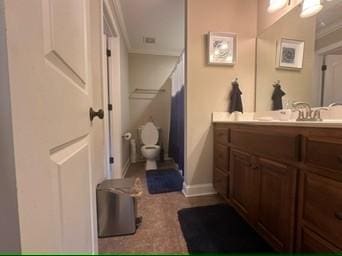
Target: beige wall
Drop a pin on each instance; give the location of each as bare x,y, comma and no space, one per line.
297,84
9,219
151,72
208,87
266,19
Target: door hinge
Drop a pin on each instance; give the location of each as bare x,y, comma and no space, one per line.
109,53
110,107
324,67
111,160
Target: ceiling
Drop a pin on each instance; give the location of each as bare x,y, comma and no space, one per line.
163,20
330,18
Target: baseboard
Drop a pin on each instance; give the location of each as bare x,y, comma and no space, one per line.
198,190
125,169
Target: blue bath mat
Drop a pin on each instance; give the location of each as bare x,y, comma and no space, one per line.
164,181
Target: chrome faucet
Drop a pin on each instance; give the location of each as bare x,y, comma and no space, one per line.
303,115
317,114
306,113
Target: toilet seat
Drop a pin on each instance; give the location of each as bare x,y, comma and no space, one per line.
149,134
147,147
150,150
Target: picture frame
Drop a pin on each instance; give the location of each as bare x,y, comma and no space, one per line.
222,48
290,54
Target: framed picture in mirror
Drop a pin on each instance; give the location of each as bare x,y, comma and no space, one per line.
222,48
290,54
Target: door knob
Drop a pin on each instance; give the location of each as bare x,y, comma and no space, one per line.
93,114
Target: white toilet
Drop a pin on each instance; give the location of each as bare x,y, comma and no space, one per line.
150,150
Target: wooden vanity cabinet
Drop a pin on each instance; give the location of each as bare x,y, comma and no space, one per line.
320,213
285,181
221,161
263,190
243,184
276,203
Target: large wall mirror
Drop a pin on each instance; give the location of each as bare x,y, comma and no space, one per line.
300,59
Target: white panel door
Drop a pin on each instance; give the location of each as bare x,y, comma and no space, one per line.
49,55
333,80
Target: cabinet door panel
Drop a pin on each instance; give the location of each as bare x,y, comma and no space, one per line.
276,209
322,206
243,192
221,136
312,243
221,157
221,181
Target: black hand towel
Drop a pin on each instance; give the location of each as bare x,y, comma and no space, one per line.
277,95
235,98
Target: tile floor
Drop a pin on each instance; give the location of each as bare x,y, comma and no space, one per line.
160,231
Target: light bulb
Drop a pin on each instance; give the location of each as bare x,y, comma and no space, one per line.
276,5
310,8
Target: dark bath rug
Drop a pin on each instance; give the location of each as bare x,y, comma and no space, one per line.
219,229
164,181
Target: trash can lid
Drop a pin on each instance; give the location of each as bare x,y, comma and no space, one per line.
116,183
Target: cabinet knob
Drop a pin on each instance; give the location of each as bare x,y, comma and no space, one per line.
338,215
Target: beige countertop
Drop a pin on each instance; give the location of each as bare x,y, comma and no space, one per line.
252,119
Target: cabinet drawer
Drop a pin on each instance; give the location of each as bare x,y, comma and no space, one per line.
221,136
276,145
322,206
312,243
221,183
324,153
221,157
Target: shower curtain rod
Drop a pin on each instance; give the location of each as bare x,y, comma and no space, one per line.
148,91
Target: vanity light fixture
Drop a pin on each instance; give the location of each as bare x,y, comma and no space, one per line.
310,8
276,5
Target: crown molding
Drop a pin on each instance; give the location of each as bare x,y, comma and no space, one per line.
155,52
117,10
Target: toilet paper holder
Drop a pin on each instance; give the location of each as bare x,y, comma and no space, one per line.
127,136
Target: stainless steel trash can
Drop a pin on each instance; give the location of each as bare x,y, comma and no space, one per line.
116,208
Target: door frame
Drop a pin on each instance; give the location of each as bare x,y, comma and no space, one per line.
321,55
113,81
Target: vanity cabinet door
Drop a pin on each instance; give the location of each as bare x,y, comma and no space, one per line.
243,185
313,243
320,207
276,204
221,183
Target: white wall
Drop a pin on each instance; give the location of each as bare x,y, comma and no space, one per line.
151,72
9,220
125,107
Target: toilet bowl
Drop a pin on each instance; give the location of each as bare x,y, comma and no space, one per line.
150,150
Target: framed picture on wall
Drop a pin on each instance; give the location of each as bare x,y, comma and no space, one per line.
222,48
290,54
